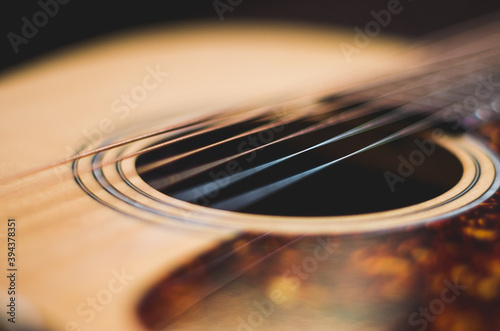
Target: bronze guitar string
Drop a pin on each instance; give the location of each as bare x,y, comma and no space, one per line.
97,164
208,119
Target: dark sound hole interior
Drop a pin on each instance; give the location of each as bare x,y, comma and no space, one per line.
270,181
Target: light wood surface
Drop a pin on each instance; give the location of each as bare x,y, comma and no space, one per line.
67,244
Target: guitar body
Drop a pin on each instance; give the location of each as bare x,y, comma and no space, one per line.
87,260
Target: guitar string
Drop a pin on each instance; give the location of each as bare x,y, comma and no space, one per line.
106,184
186,174
171,141
174,178
196,192
193,123
104,148
430,69
251,197
100,177
201,123
163,162
281,119
166,161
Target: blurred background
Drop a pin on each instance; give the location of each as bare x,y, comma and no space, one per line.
71,21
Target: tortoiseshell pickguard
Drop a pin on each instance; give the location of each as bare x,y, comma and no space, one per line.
443,275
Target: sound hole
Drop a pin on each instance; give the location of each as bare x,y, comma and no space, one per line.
267,181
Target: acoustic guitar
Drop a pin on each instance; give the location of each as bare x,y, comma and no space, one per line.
254,177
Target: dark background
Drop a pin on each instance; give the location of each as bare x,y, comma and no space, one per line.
84,19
